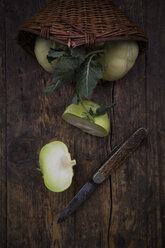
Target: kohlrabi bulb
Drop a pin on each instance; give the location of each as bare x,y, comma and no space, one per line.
56,166
119,58
41,49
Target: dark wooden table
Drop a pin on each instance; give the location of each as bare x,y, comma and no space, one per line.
128,209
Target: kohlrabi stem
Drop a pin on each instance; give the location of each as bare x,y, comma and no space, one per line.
90,117
94,52
73,162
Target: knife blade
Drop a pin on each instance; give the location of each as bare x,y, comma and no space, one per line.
83,194
115,158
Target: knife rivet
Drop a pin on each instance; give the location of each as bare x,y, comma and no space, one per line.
98,177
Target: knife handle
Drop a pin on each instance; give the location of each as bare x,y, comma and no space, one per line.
123,152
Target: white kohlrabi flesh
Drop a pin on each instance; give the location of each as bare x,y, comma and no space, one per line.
56,166
119,58
74,114
41,49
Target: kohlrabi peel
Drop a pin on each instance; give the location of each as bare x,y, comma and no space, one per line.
119,58
41,49
56,166
76,116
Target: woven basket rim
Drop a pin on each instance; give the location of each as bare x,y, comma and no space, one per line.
73,34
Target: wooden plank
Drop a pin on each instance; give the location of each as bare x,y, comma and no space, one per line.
32,121
129,183
32,210
3,196
134,216
155,100
92,219
138,189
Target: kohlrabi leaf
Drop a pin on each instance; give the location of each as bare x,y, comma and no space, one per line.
61,47
68,63
78,52
65,69
91,112
52,88
64,73
88,76
54,54
103,109
75,99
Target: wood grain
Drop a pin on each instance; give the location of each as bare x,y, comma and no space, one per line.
3,111
128,209
32,121
155,101
137,189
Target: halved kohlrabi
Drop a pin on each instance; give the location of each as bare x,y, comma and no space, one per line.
56,166
76,116
41,49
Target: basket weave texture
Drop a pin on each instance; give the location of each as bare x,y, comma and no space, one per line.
79,22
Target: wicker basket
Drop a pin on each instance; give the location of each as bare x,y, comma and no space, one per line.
78,22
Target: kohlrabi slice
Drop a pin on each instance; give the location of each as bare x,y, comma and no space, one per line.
76,116
56,166
119,58
41,49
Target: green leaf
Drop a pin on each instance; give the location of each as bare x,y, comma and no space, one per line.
53,54
103,109
75,99
78,52
65,69
61,47
52,88
49,90
91,112
68,63
88,76
63,73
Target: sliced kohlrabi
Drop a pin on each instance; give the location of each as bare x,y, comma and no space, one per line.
56,166
76,116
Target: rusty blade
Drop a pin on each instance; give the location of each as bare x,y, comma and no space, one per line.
83,194
77,201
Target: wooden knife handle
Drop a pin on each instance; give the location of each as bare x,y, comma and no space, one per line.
124,151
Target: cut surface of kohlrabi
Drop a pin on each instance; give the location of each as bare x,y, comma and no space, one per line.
56,166
75,115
